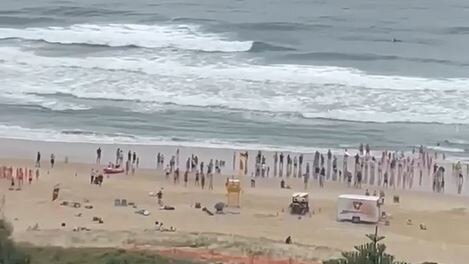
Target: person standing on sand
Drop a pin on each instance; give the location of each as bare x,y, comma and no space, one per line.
380,171
20,177
306,176
177,158
186,176
328,168
295,166
38,160
300,165
210,181
192,163
404,174
372,170
172,163
280,167
92,176
334,168
263,166
37,175
167,171
411,171
322,176
399,172
176,176
460,182
365,163
127,167
129,156
441,179
197,178
234,162
308,170
52,160
117,155
158,160
275,164
316,165
359,177
345,162
392,169
30,178
258,164
159,196
98,157
132,168
202,180
323,161
419,165
435,177
385,180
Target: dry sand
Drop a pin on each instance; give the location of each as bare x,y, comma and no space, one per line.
260,225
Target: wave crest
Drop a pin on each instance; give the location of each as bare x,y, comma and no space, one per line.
186,37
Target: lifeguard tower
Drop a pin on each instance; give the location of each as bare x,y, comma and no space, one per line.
233,186
233,192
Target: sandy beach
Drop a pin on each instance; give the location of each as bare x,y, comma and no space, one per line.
261,224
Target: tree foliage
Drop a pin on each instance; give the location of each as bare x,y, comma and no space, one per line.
371,252
9,253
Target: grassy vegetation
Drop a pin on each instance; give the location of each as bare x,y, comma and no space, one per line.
51,255
10,253
372,252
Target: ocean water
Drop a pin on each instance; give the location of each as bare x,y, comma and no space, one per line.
298,75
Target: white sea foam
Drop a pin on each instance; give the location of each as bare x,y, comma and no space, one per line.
189,37
446,149
310,91
281,73
32,99
80,136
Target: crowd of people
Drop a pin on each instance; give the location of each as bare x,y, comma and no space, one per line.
387,169
201,173
18,176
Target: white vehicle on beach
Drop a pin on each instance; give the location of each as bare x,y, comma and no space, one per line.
358,208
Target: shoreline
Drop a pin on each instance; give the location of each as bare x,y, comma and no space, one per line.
86,153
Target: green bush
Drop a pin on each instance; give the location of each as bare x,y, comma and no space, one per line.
9,253
56,255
